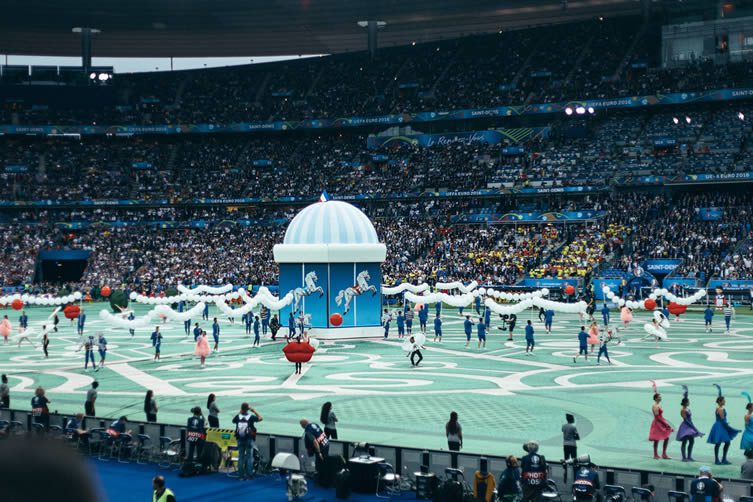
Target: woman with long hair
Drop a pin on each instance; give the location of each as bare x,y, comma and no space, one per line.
660,428
150,407
329,420
454,433
687,432
721,431
746,443
214,411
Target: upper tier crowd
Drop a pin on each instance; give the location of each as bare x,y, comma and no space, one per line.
425,241
600,58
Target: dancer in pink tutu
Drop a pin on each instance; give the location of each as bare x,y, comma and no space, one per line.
5,328
202,347
626,315
660,428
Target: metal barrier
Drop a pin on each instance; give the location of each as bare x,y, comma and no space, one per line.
409,460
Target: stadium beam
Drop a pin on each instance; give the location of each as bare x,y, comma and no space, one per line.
372,28
86,46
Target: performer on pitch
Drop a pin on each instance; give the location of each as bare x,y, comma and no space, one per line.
89,353
5,328
593,336
687,431
102,346
468,328
604,338
530,342
400,321
746,443
216,334
257,341
708,316
437,328
548,317
415,351
202,348
626,315
605,314
721,431
582,344
660,428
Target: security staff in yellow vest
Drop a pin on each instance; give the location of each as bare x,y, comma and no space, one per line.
161,494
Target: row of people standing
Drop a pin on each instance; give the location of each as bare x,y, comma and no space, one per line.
721,434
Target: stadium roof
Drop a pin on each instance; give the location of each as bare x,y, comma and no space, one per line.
204,28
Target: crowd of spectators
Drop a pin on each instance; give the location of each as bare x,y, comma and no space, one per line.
425,240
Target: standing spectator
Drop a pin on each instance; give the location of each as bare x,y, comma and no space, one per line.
39,408
245,434
533,472
161,492
196,433
214,411
150,407
316,442
569,437
746,470
509,481
705,487
454,433
329,419
91,399
4,392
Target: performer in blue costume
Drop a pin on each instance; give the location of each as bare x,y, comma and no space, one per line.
747,441
721,431
687,431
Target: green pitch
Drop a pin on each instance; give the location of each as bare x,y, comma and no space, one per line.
502,396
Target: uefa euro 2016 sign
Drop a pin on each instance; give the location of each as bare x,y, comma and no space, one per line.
331,260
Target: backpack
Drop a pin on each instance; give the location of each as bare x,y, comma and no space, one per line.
244,428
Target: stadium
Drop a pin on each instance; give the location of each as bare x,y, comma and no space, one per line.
324,250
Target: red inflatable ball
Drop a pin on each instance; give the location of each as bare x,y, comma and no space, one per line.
105,291
71,311
335,319
649,304
17,304
298,352
676,308
570,290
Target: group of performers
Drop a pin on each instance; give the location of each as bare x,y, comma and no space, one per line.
721,434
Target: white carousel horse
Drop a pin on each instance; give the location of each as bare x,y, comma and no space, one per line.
362,286
310,288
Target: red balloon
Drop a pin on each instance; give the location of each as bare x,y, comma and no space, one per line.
335,319
649,304
17,304
105,291
570,290
296,352
71,311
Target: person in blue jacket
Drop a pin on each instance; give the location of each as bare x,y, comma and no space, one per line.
481,332
216,334
205,313
257,341
400,321
23,321
582,344
605,314
196,332
131,317
81,322
487,317
477,305
708,316
530,343
248,320
437,328
468,328
423,317
548,318
291,325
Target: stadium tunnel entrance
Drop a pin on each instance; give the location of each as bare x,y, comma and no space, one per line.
61,265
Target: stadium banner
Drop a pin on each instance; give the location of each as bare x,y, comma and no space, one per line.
547,282
679,281
727,284
661,266
490,137
142,165
713,178
709,213
599,283
16,168
654,100
261,163
528,217
546,190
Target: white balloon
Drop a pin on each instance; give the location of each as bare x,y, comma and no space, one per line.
24,298
545,291
133,295
652,296
77,295
482,291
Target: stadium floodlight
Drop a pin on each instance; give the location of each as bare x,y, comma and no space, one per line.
103,77
741,115
688,120
380,24
675,120
93,76
591,110
580,110
568,111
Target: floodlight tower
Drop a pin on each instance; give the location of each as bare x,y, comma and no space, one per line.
86,46
373,27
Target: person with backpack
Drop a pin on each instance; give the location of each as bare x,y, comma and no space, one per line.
245,435
196,433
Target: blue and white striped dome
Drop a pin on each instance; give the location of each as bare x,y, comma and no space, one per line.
331,222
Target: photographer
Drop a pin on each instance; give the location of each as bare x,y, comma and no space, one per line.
586,484
533,472
196,433
705,488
